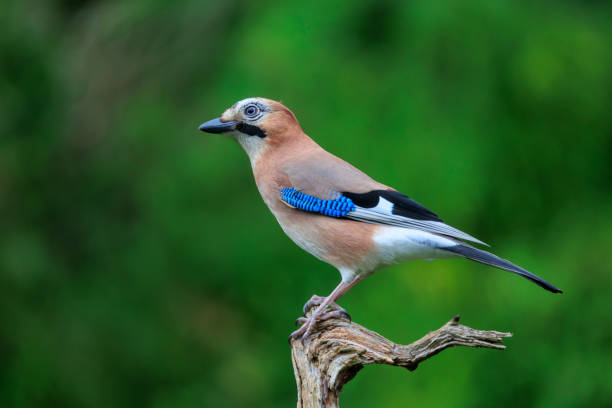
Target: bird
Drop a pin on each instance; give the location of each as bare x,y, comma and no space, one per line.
335,211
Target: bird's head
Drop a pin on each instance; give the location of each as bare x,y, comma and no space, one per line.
257,124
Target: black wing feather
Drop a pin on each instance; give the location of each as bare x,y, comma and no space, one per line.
402,205
399,210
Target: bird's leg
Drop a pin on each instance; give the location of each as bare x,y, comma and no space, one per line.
318,314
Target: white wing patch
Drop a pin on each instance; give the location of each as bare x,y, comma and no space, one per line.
384,206
383,214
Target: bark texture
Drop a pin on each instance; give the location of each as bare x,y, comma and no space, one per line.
337,349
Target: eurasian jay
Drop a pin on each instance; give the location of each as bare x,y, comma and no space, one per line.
335,211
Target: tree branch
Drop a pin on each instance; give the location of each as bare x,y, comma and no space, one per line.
337,349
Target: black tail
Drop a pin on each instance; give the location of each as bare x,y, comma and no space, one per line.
493,260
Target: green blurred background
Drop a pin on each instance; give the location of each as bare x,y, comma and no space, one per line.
139,266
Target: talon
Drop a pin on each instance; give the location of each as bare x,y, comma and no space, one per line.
315,300
336,314
308,330
304,331
342,313
308,323
297,333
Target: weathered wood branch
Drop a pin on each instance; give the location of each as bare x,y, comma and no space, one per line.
337,349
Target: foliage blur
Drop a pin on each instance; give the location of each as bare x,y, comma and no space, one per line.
139,266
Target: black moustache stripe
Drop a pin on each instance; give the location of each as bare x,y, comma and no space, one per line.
250,130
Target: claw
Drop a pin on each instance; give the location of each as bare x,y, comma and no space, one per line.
309,326
336,314
327,308
308,323
298,333
315,300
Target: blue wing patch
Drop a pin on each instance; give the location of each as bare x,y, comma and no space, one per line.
339,207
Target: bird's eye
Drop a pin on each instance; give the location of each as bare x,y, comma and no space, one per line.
251,110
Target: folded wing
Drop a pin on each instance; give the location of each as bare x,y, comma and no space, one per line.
390,207
320,179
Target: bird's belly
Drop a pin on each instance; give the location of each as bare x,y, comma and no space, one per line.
343,243
307,239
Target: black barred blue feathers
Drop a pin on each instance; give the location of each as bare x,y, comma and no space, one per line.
339,207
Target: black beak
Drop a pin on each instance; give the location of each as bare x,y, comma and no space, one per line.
216,126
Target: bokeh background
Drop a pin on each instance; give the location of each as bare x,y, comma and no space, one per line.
139,266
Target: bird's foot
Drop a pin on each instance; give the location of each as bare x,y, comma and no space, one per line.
317,300
332,311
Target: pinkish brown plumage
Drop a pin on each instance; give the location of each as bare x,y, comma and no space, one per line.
382,226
